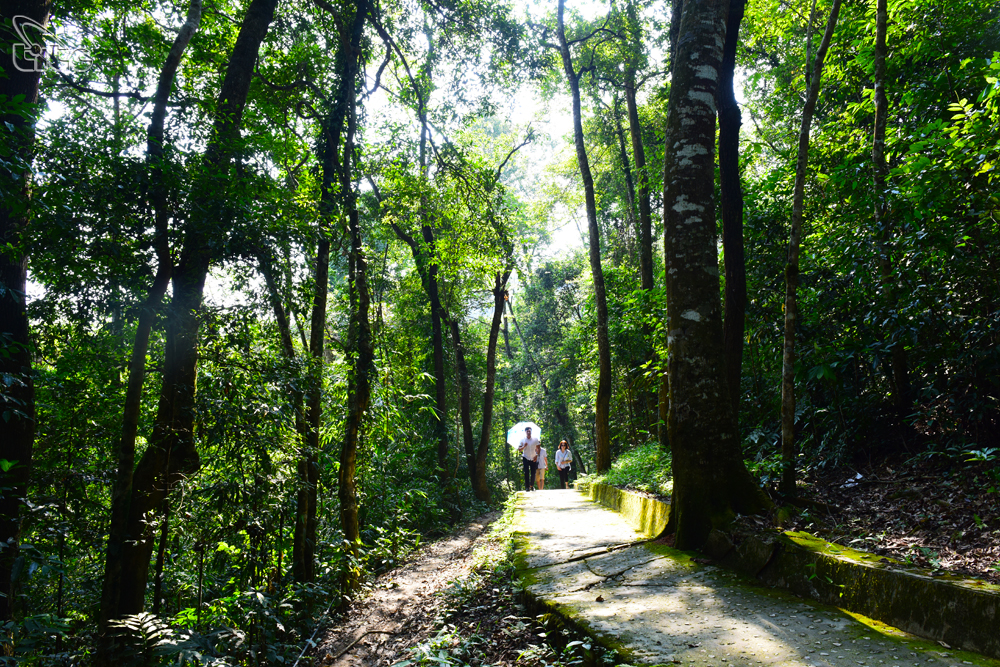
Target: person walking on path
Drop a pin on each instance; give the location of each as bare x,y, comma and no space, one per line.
529,457
543,465
564,459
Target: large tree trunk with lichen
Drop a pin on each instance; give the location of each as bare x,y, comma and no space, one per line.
789,448
172,454
711,483
602,402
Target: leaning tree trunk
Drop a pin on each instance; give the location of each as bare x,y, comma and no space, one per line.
122,491
172,453
602,406
789,448
711,483
901,392
17,393
732,209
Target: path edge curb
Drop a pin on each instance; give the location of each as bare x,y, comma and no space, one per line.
962,613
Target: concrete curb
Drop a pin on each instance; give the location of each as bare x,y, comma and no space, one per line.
647,515
963,613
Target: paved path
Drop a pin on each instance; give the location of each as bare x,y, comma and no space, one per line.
658,606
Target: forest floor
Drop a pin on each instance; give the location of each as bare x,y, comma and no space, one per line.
927,513
454,602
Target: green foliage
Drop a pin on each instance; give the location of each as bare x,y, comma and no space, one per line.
646,468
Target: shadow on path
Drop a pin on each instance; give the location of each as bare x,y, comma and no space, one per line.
655,605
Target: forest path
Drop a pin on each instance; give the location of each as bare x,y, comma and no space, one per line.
658,606
403,609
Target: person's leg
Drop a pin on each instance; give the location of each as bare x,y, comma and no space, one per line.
563,478
539,477
528,472
534,469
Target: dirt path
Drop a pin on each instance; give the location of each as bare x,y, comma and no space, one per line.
401,611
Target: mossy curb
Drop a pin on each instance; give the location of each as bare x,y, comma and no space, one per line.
963,613
647,515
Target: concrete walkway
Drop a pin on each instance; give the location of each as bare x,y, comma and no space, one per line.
655,605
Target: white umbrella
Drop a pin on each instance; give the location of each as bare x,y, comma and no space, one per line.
516,432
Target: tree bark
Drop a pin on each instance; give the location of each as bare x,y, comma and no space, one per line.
711,483
464,397
901,391
602,404
642,184
789,448
732,209
172,454
359,333
479,484
17,388
122,490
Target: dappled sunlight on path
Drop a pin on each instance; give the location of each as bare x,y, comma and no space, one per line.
658,606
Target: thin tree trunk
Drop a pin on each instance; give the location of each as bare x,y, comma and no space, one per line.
266,263
789,448
630,193
161,557
711,483
17,400
359,334
901,392
642,184
172,454
479,483
649,395
122,490
464,398
602,404
732,209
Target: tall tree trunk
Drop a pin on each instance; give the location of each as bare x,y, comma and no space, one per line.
17,389
464,397
359,333
172,454
122,490
630,194
307,469
479,484
732,208
642,184
602,406
711,483
901,392
789,448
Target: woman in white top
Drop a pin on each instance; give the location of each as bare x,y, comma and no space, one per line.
543,463
564,459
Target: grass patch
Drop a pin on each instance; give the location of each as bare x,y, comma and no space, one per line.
645,468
